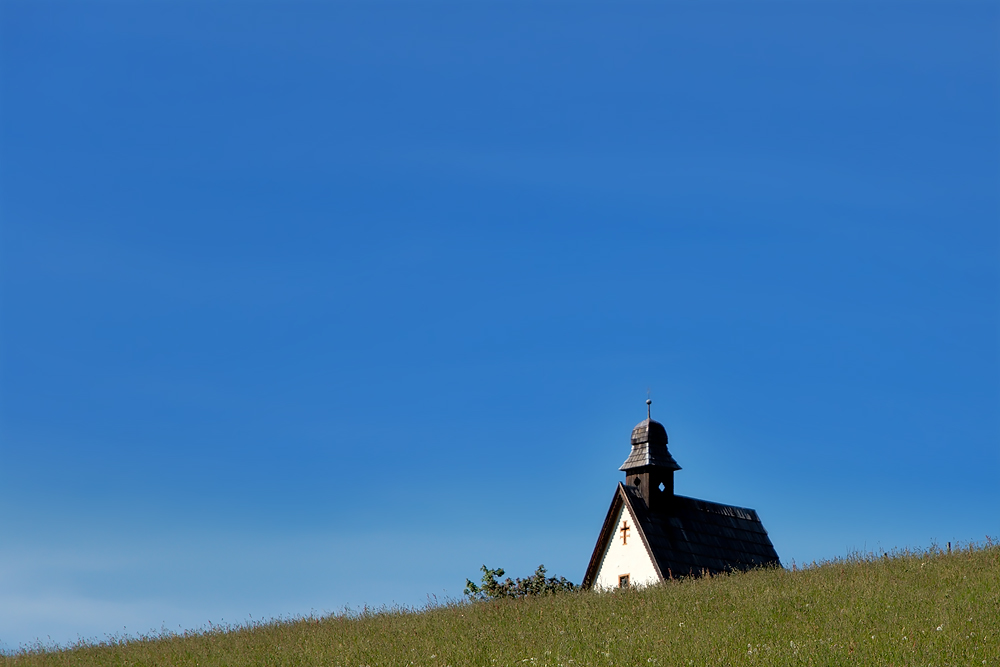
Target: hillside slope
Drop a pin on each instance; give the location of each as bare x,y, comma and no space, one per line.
908,609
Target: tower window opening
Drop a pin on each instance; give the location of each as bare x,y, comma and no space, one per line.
663,487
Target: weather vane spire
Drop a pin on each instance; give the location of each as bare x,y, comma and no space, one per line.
648,403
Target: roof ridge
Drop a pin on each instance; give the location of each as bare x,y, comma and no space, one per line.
711,506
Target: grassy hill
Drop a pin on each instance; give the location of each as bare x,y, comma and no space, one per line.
927,608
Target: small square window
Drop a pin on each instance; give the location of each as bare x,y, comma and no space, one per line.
623,580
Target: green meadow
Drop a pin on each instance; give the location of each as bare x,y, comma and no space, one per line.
910,608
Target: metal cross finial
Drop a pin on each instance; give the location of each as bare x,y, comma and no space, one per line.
648,403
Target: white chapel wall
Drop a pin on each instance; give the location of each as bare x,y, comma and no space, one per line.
628,558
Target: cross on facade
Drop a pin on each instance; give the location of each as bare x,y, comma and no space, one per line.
624,531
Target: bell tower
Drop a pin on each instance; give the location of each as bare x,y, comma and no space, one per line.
649,469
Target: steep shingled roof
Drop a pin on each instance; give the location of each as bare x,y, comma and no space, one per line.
690,536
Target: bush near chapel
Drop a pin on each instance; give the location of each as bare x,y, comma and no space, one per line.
534,585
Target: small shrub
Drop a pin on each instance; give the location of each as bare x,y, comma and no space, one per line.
535,585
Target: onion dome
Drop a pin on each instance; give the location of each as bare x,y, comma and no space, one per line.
649,447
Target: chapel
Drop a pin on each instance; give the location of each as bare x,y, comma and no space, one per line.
651,534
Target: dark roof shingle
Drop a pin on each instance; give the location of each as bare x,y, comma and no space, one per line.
692,535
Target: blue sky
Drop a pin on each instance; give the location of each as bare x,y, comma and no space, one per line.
309,305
